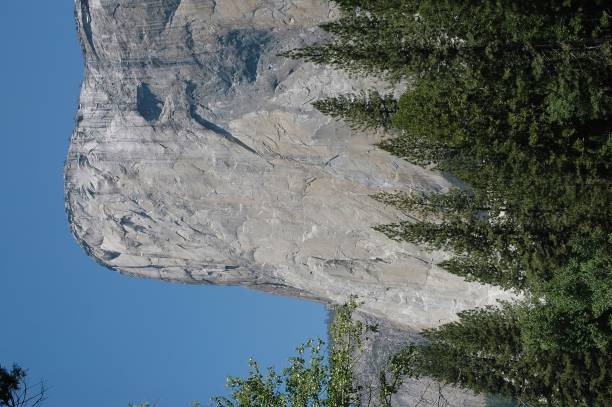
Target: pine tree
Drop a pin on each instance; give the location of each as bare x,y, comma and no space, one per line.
514,99
485,352
363,111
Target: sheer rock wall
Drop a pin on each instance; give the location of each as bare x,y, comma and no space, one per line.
197,157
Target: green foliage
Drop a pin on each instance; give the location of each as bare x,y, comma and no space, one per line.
484,351
361,112
345,341
309,380
256,390
486,248
524,119
572,311
514,99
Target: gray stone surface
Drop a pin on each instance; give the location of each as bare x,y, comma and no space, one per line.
198,158
378,347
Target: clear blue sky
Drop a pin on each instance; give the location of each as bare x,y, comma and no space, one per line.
96,337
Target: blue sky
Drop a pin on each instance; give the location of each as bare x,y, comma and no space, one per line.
98,338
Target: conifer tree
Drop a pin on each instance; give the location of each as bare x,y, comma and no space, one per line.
366,110
514,99
485,352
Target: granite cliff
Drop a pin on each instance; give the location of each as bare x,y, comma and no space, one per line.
198,158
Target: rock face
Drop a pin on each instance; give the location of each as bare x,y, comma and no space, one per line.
378,347
198,158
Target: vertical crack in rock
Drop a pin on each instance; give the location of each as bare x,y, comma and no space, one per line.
190,44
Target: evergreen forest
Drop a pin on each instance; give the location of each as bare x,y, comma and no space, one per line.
513,98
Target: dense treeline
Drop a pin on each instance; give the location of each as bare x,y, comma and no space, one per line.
515,99
486,352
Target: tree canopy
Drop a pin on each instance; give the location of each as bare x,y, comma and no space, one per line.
316,376
15,391
514,99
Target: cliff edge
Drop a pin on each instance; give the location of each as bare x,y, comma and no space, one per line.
197,157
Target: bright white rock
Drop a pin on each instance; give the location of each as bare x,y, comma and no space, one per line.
197,157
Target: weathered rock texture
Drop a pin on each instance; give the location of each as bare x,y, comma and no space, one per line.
198,158
378,347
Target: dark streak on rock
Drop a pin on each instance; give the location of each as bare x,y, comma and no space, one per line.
108,255
209,125
147,103
170,8
86,24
